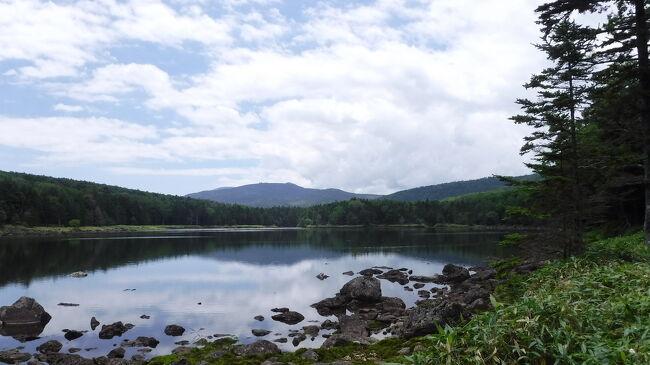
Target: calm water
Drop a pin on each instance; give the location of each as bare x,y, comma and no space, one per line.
234,275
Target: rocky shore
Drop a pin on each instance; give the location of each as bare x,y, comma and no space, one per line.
360,314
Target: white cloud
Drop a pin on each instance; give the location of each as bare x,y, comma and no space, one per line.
68,108
376,97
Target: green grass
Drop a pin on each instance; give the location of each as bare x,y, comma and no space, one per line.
593,309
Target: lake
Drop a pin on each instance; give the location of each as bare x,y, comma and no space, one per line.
211,281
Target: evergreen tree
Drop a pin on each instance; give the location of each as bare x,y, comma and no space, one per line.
626,37
556,115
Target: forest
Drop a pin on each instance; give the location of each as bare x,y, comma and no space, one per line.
33,200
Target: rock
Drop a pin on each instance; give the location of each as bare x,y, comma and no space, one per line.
330,306
34,362
336,340
259,318
182,343
353,326
280,310
322,276
117,353
73,350
115,329
182,351
475,293
67,359
425,319
419,348
329,325
479,304
93,323
418,285
392,306
49,346
281,340
138,358
260,332
424,294
78,274
363,288
25,314
142,341
289,317
310,354
407,288
298,338
13,356
174,330
454,273
425,279
64,304
483,273
144,316
370,272
348,273
311,331
73,335
395,276
261,347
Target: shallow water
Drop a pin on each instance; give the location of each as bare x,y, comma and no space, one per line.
233,274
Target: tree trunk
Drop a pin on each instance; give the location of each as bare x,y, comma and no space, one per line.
641,31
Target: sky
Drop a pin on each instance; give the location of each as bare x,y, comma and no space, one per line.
178,96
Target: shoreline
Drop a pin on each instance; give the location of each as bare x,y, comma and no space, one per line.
25,231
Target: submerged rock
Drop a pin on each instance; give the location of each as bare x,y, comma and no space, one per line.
260,332
370,272
79,274
322,276
289,317
113,330
395,276
73,335
174,330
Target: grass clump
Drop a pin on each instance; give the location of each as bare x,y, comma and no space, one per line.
593,309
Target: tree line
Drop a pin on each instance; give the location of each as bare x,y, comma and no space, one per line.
44,201
591,121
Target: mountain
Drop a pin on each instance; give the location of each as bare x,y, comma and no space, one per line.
452,189
273,194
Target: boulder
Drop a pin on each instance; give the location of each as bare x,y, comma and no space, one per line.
49,346
117,353
311,331
418,285
425,319
310,354
280,310
322,276
298,338
363,288
425,279
261,347
66,359
454,273
259,318
113,330
142,341
331,306
13,356
24,312
174,330
93,323
289,317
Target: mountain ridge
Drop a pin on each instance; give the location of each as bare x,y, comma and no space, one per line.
266,195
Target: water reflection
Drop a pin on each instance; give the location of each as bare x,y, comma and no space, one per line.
233,275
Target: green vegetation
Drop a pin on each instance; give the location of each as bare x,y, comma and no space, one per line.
29,200
590,119
591,309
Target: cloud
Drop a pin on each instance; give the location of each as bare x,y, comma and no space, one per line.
373,96
68,108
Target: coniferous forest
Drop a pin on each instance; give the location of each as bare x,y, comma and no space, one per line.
43,201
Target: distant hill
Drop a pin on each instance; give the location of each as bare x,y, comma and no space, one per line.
452,189
273,195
